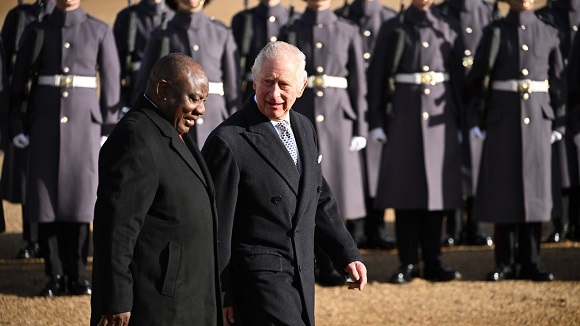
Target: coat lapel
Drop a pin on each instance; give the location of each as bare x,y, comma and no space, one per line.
262,135
175,143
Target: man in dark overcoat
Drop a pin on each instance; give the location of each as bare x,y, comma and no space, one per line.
256,26
473,16
64,128
274,203
369,232
420,166
132,28
565,16
155,230
526,112
209,42
14,164
574,120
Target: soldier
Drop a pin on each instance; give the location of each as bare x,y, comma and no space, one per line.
253,28
334,100
414,100
65,123
209,42
131,29
370,231
565,16
473,16
574,121
524,115
14,166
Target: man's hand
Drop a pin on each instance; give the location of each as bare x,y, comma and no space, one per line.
21,141
556,136
357,143
475,132
358,271
378,135
228,314
120,319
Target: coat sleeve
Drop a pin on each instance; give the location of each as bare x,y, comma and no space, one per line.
226,177
110,81
128,180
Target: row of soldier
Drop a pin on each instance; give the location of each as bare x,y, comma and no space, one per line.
406,96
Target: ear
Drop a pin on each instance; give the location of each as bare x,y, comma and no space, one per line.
303,88
162,89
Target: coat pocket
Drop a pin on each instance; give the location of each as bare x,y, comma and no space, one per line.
260,262
547,112
172,271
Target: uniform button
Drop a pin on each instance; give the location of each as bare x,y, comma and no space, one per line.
525,96
272,19
320,69
319,189
195,47
320,25
199,121
319,45
320,93
575,28
63,120
299,269
467,52
65,94
319,118
65,70
525,47
465,63
367,56
468,30
523,27
526,121
273,39
367,33
525,72
425,44
66,45
426,91
425,116
425,68
276,199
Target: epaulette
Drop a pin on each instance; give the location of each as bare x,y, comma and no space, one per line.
95,19
218,22
347,21
546,16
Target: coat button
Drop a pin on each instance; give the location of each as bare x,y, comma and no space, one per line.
319,189
526,121
425,116
195,47
272,19
367,55
426,91
425,44
574,28
425,68
65,94
319,45
66,45
525,47
276,199
319,118
273,39
525,96
65,70
467,52
523,27
320,69
319,93
525,72
468,30
199,121
367,33
63,120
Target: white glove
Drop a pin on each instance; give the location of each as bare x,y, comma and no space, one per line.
556,136
577,140
357,143
475,132
103,140
378,135
21,141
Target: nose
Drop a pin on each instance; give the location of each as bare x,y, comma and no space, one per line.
200,109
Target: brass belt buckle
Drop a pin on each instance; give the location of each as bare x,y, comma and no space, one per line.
318,81
428,78
525,86
66,81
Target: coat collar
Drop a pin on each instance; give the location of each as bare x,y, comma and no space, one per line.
261,133
325,17
185,20
66,19
186,148
361,9
419,17
521,18
265,11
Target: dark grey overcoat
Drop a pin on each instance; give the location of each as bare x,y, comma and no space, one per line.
66,123
333,47
420,166
270,215
155,229
515,177
210,43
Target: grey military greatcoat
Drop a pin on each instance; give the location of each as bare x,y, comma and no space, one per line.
66,123
420,166
515,178
210,43
333,47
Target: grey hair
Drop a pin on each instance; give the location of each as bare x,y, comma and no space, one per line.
281,51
